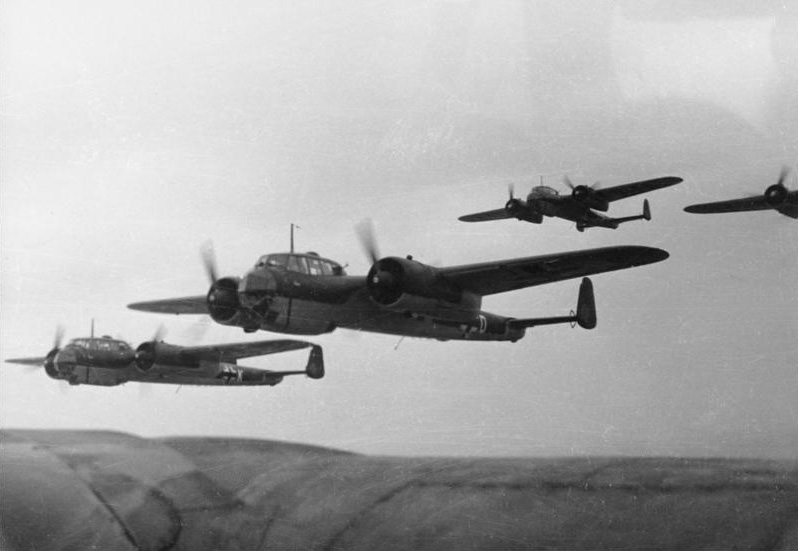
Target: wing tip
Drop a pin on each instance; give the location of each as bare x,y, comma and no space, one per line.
639,255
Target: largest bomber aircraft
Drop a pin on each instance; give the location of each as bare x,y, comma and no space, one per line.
306,294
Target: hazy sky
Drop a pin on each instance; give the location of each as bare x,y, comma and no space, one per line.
132,132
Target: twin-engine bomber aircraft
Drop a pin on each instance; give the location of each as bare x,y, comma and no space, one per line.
776,197
309,295
579,206
104,361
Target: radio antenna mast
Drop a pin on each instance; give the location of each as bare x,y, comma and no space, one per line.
292,235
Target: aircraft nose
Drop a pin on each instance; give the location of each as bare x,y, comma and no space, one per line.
256,286
65,361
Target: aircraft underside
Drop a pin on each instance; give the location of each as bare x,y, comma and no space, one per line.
296,316
211,375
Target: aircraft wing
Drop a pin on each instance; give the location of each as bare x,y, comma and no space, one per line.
184,305
488,278
498,214
614,193
27,361
733,205
234,351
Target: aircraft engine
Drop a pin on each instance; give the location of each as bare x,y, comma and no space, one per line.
776,194
390,278
513,206
222,299
586,196
151,352
49,364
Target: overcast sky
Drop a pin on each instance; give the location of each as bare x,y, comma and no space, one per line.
132,132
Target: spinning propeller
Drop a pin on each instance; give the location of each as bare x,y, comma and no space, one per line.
581,191
776,194
365,232
384,277
145,353
209,261
513,205
222,297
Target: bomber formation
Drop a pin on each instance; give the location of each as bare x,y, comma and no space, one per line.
306,294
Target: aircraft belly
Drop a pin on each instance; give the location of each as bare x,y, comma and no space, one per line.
209,374
361,314
97,376
790,207
578,213
299,317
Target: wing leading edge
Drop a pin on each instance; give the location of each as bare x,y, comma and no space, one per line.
733,205
497,214
235,351
623,191
489,278
184,305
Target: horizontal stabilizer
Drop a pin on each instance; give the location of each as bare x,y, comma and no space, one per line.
585,314
314,368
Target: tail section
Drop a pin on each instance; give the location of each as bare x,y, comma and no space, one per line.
645,216
585,315
586,305
315,367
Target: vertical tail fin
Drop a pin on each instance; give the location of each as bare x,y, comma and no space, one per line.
586,305
585,314
315,367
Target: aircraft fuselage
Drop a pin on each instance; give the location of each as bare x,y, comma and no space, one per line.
107,362
287,301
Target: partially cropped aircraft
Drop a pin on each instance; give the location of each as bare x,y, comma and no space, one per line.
104,361
580,206
308,295
776,197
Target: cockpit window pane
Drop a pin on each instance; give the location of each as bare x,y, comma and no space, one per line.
262,262
326,268
297,264
546,190
277,260
314,266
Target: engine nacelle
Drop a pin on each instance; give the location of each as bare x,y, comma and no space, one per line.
151,352
222,300
390,278
224,305
776,194
513,207
49,365
587,196
415,305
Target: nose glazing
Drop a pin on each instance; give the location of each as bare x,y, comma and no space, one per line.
66,361
255,287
